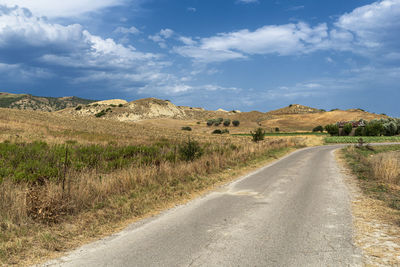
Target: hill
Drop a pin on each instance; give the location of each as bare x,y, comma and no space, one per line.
164,114
295,109
30,102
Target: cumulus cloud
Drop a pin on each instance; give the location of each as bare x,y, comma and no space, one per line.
246,1
368,30
282,40
132,30
74,50
70,8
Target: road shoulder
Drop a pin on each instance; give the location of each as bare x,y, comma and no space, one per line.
376,233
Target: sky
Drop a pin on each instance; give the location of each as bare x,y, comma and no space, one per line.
231,54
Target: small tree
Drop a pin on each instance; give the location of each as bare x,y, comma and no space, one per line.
210,122
186,128
258,135
347,128
277,129
332,129
227,122
319,128
390,128
236,123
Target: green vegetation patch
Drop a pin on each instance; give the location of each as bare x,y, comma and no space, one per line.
287,134
366,139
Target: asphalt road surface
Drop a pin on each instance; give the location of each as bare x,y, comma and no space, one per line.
294,212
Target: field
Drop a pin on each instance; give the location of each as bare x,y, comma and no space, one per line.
288,134
66,180
355,139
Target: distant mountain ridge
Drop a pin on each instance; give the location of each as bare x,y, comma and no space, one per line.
30,102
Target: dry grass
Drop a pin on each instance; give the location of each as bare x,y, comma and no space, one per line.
386,167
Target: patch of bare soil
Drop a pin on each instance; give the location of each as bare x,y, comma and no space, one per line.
376,227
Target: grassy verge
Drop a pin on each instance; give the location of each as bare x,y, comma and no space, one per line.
378,172
47,214
287,134
354,139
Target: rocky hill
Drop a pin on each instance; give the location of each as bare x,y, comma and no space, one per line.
30,102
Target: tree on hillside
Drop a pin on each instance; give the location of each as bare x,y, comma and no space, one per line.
236,123
258,135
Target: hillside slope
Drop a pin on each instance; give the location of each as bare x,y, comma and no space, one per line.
30,102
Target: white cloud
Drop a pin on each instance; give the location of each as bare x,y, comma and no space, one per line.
282,40
246,1
69,8
191,9
187,40
166,33
123,30
370,30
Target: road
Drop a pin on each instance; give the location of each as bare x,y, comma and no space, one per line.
294,212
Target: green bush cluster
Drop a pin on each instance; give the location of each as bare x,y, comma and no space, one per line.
186,128
332,129
103,112
258,135
218,131
225,122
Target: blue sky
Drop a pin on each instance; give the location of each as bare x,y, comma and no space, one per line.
231,54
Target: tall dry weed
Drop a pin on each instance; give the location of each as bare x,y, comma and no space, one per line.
386,167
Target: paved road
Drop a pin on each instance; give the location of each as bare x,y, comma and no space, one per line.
294,212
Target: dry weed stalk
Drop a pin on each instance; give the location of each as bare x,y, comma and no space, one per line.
386,167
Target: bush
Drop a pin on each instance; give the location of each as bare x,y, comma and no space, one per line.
190,150
319,128
258,135
186,128
78,108
113,105
220,120
347,128
210,122
332,129
390,128
217,123
120,105
227,122
359,131
277,129
218,131
100,114
374,128
236,123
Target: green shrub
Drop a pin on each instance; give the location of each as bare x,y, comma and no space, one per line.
217,123
78,108
319,128
120,105
210,122
220,120
190,150
112,105
347,128
374,128
227,122
390,128
100,114
218,131
258,134
277,129
236,123
186,128
332,129
359,131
